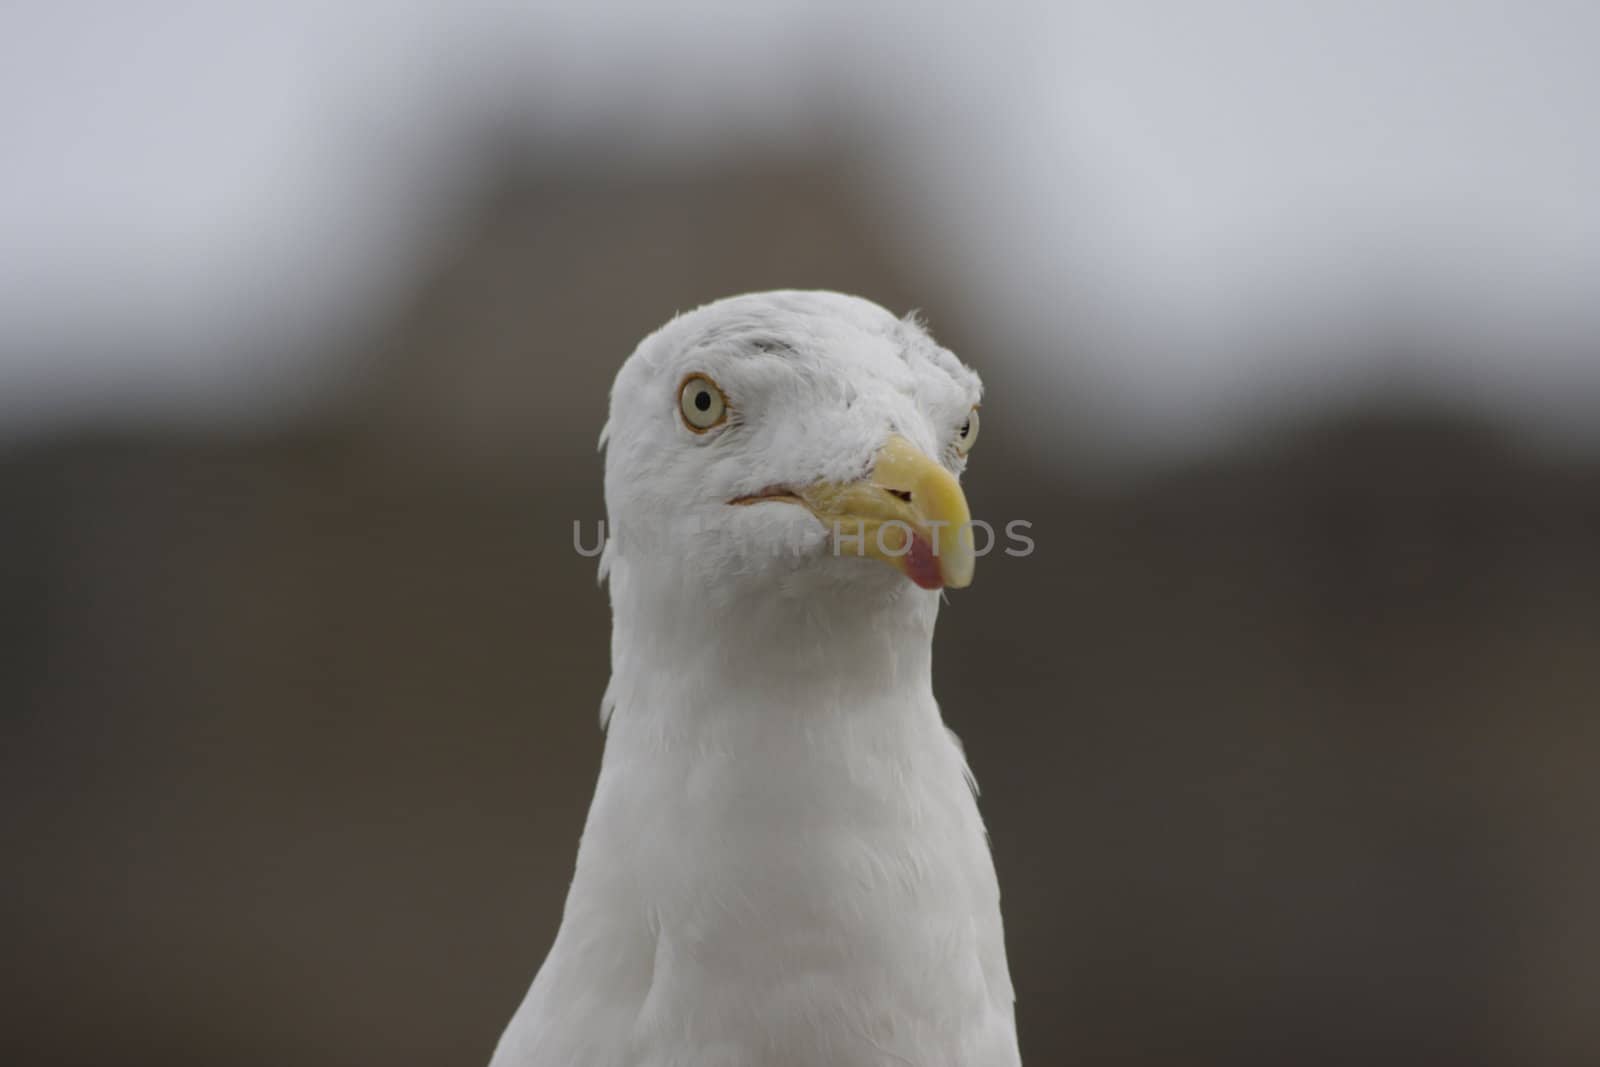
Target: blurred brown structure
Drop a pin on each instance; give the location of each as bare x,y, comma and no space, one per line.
1289,757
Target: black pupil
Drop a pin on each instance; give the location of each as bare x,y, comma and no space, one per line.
702,400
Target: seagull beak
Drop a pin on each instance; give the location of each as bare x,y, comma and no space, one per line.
908,512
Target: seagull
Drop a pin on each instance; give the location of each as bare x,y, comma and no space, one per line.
783,864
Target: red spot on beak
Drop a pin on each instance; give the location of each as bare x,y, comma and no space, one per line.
922,566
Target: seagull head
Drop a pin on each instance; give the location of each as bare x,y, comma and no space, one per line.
790,442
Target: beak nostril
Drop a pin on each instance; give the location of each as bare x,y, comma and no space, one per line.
902,494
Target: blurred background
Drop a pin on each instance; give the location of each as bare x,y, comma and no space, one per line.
1287,730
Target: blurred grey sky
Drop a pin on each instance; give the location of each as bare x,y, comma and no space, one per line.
1197,213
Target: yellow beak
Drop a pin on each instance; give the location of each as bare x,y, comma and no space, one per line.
909,512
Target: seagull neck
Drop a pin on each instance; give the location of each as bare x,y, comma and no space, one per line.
859,648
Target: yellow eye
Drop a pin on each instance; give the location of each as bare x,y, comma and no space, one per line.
967,436
702,403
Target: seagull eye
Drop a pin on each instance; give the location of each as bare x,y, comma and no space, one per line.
967,436
702,403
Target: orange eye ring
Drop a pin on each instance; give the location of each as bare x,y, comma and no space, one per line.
701,403
967,436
